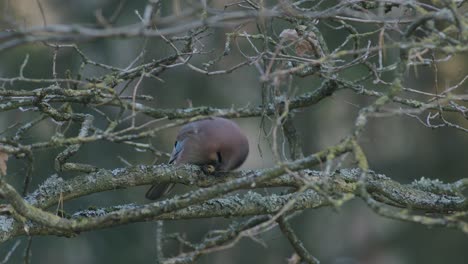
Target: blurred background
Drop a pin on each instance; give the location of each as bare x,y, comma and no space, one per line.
397,146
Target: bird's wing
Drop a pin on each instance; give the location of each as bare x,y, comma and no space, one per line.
178,147
185,135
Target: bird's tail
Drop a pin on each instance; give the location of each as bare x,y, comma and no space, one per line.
158,191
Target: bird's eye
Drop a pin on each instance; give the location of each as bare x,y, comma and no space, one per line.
220,159
175,144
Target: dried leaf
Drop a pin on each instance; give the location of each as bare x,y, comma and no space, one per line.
288,34
3,161
294,259
304,45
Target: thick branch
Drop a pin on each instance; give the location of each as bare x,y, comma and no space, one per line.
155,209
430,196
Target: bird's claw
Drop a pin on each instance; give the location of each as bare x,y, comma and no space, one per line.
208,169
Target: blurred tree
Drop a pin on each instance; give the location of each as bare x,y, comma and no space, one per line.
336,86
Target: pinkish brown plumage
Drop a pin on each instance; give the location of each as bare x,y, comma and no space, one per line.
213,141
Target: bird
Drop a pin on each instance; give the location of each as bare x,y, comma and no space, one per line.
214,143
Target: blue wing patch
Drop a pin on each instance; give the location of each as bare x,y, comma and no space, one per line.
178,147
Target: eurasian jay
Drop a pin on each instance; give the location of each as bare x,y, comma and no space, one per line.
215,143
